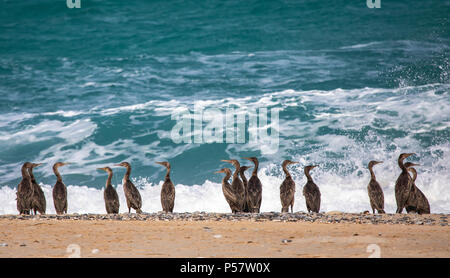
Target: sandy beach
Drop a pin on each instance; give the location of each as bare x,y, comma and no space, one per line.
212,235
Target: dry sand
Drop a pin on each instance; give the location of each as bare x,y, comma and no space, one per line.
245,238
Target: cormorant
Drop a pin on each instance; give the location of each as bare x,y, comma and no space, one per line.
110,194
311,192
38,203
131,193
245,183
254,188
228,190
237,185
59,190
167,190
403,184
287,188
374,190
417,202
25,190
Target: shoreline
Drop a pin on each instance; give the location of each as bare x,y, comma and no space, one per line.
326,218
60,238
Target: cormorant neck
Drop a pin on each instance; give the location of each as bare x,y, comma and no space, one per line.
128,173
236,173
167,174
286,171
25,173
32,176
255,170
244,179
308,176
58,176
372,174
402,166
108,181
414,173
227,177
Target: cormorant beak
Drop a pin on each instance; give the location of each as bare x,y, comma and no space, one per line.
229,161
378,162
66,163
36,165
120,165
160,163
218,172
103,169
248,158
294,162
413,164
314,166
409,154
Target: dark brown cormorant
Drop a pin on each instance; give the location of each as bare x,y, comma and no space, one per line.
254,188
237,185
131,193
374,190
110,194
287,188
25,190
417,202
167,190
245,183
38,203
403,184
228,190
59,190
311,192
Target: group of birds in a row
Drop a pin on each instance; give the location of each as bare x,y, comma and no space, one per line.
242,195
30,197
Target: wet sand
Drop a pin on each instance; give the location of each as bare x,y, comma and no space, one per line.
58,237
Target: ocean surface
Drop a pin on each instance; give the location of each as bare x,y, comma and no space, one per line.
98,85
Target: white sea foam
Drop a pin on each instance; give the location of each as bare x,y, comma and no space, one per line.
415,110
339,193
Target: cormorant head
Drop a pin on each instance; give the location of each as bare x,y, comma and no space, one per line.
164,163
27,165
244,168
123,164
252,159
106,169
288,162
233,161
410,164
35,165
374,162
309,168
404,155
59,164
224,170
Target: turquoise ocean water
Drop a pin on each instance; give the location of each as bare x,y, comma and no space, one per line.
97,85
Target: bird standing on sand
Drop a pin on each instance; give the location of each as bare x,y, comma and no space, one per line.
237,185
228,190
25,190
132,195
110,194
311,192
417,202
245,183
59,190
374,190
167,190
254,188
403,184
287,188
38,203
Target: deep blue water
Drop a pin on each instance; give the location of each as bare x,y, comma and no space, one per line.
97,85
